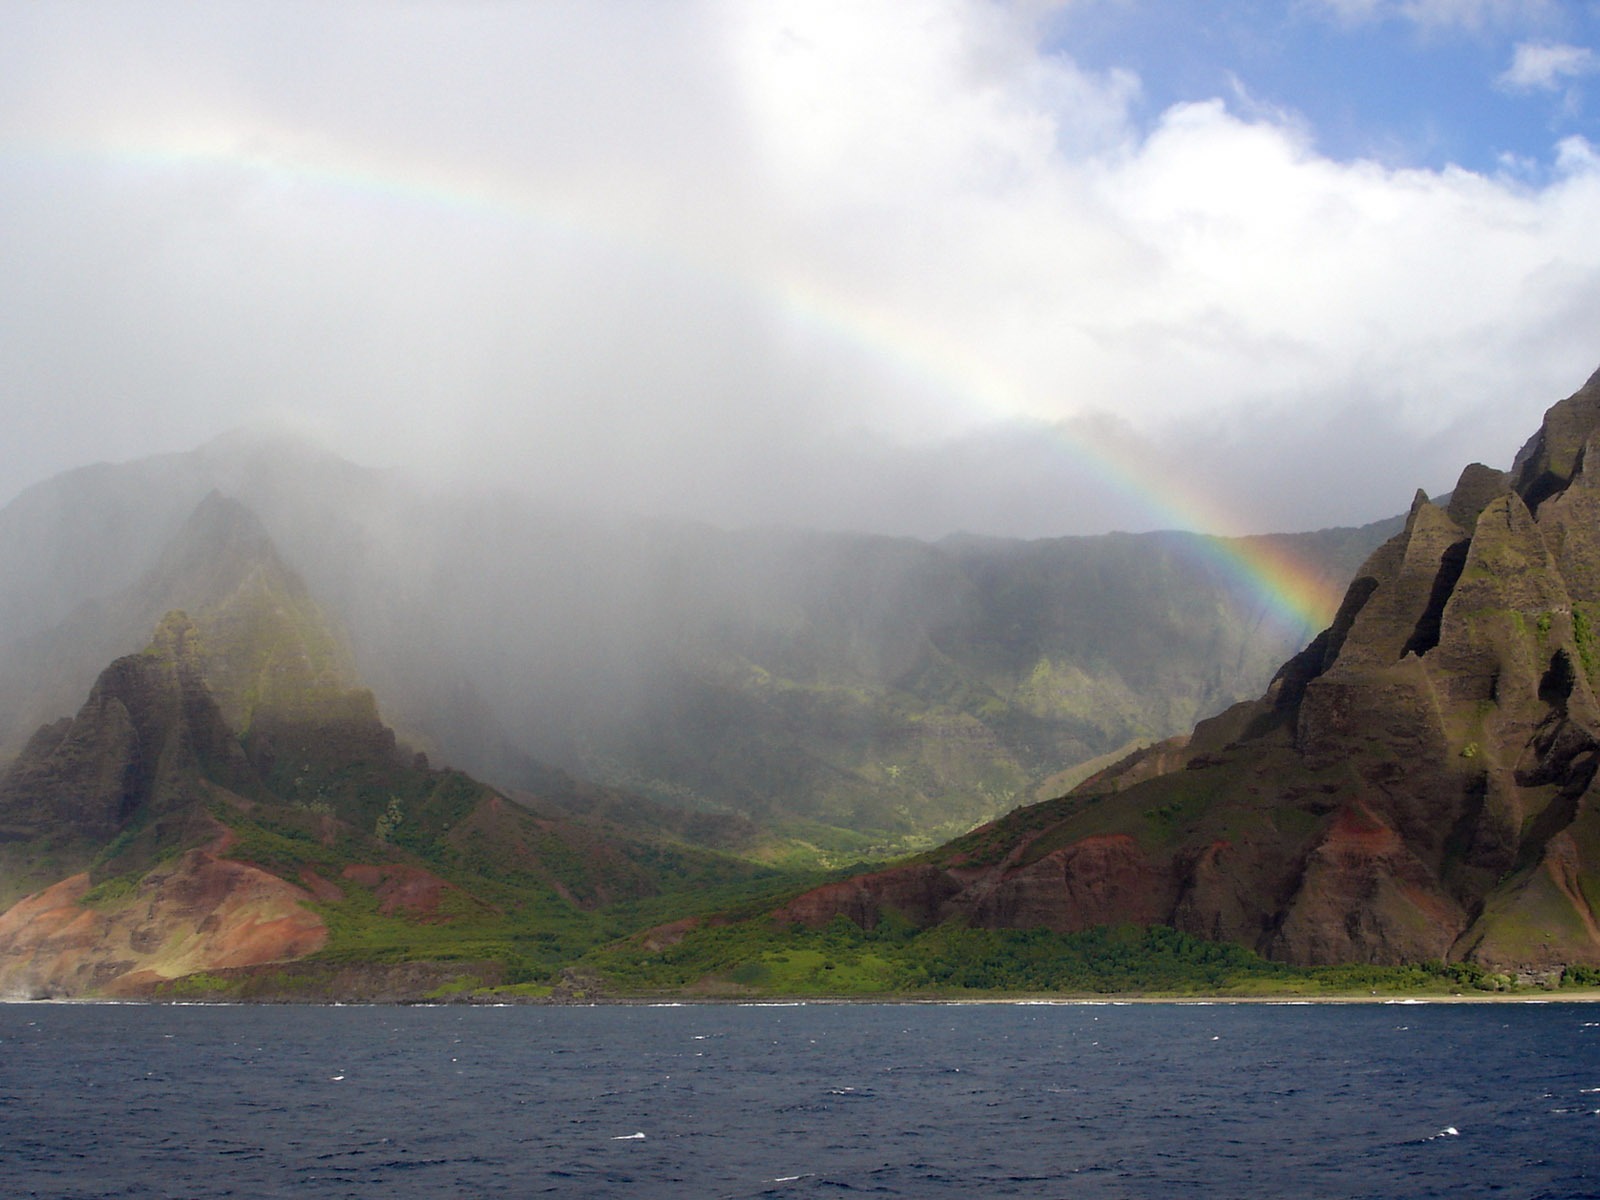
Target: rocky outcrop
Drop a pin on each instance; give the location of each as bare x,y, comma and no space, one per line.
919,894
264,638
1418,783
142,746
1094,881
242,711
1365,896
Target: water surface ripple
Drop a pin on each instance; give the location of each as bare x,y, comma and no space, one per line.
1159,1101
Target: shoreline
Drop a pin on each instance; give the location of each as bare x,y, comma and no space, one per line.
1565,996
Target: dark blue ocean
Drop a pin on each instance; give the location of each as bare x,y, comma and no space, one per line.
1154,1101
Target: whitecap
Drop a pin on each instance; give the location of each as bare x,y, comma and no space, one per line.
628,1137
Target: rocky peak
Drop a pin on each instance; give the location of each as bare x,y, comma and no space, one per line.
260,640
1477,486
257,635
219,529
1521,542
1548,461
139,747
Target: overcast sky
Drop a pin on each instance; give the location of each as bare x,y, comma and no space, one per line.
909,265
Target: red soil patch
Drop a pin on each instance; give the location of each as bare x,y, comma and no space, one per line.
1356,831
403,889
197,913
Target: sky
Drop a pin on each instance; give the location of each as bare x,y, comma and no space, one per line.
908,266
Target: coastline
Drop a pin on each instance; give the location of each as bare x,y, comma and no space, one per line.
1563,996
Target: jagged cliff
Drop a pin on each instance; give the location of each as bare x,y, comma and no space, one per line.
127,796
143,744
1418,783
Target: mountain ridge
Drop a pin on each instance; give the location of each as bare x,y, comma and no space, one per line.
1416,784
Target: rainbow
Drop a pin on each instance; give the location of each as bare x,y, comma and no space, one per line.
1288,589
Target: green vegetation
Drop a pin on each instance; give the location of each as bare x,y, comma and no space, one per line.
757,957
488,909
109,892
202,985
1583,633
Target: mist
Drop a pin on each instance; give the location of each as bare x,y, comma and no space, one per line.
817,684
885,268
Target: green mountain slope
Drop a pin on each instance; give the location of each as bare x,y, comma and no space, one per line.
1418,784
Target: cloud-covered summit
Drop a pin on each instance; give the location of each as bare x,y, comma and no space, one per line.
910,266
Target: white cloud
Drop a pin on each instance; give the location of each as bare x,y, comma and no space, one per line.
1577,156
1547,66
754,262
